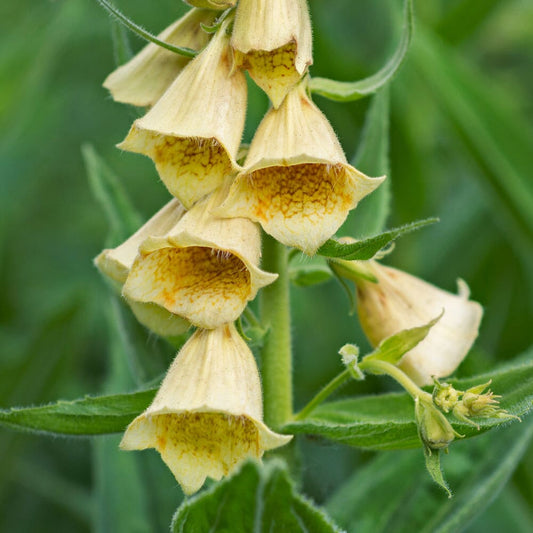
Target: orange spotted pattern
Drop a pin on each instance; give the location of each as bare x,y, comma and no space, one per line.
208,287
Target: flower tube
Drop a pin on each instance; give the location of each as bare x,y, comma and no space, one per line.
204,269
272,40
207,416
296,181
194,130
144,78
399,301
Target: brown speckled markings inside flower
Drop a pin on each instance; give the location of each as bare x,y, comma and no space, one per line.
296,181
193,132
144,78
115,264
399,301
207,416
204,269
272,40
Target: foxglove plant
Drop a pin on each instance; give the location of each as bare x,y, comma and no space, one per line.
191,272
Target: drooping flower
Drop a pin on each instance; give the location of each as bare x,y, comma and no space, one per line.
144,78
207,416
296,181
272,40
115,264
204,269
399,301
194,130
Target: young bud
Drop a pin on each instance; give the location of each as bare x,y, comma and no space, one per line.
116,263
296,182
204,269
433,427
400,301
207,416
194,130
272,40
144,78
445,396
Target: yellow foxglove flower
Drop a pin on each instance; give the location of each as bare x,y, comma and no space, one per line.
296,182
194,130
142,80
115,263
212,4
400,301
272,40
207,416
204,269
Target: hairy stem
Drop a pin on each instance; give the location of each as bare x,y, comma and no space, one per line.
276,356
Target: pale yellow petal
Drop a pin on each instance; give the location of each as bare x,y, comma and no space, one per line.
296,182
193,132
212,4
272,40
207,416
144,78
400,301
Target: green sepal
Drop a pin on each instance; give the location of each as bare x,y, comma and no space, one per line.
307,275
344,91
368,248
432,458
393,348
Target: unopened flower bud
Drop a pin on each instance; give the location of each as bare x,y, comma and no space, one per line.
144,78
194,130
434,429
445,396
399,301
207,416
272,40
296,181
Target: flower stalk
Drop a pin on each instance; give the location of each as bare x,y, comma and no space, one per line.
276,355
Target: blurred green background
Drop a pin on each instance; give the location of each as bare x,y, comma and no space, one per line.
460,149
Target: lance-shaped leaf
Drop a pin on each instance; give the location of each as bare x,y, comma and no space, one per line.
344,91
257,498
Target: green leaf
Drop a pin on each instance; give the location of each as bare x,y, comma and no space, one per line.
434,469
394,493
387,422
393,348
343,91
97,415
367,248
258,498
122,216
308,275
372,158
141,32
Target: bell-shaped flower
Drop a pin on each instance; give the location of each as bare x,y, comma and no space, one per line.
144,78
204,269
272,40
207,416
296,181
194,130
399,301
212,4
115,264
